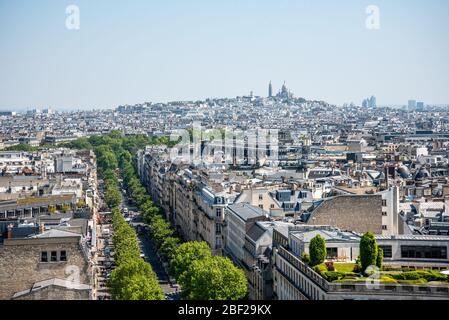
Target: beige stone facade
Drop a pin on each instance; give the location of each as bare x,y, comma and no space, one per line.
21,265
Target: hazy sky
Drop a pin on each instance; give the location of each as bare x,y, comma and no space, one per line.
135,51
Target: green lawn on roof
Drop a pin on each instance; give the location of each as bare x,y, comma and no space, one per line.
344,267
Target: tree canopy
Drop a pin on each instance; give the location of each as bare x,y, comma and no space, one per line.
368,251
215,278
317,249
186,254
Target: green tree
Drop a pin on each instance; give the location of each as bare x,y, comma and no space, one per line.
368,251
169,246
112,197
107,161
380,258
109,176
317,249
115,134
135,280
151,213
124,157
215,278
186,254
21,147
160,229
146,206
80,144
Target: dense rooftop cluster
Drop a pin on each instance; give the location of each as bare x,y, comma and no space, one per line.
336,173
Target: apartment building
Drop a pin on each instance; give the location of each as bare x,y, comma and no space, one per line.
50,264
281,202
295,280
239,220
257,258
196,207
211,205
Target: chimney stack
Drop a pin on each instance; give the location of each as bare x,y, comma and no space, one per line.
10,227
41,228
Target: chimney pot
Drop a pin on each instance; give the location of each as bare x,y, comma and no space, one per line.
10,227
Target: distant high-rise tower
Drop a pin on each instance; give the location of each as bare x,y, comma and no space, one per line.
270,90
372,102
411,105
419,106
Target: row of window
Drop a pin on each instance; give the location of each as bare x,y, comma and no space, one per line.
54,256
422,252
417,252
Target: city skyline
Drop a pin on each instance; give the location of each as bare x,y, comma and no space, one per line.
173,51
283,93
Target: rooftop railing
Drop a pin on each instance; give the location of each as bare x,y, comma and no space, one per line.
371,286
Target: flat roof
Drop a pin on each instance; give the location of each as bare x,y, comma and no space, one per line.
246,211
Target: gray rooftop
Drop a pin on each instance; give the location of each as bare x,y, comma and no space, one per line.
328,235
413,237
246,211
255,232
53,282
55,233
